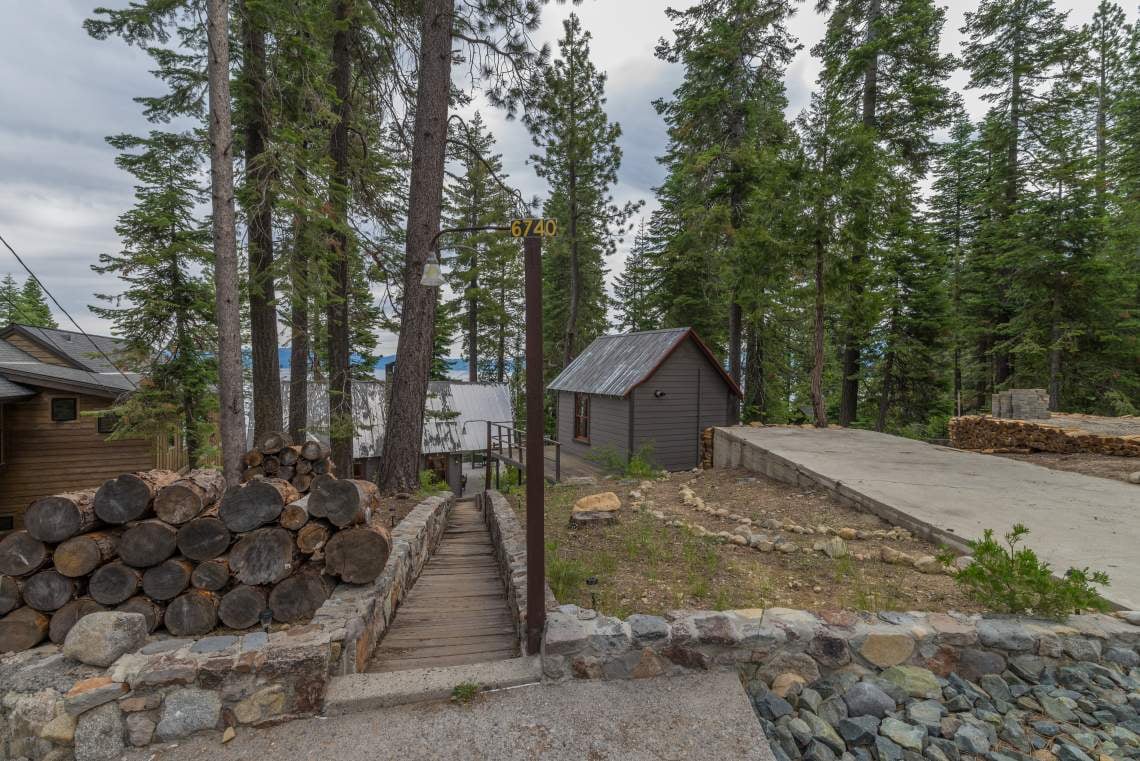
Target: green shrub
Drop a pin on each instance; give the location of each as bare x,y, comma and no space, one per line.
1009,578
430,483
638,465
564,575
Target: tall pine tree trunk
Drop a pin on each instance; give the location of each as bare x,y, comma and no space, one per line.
340,377
735,345
473,300
262,299
299,334
575,272
818,408
1002,364
231,406
1055,351
852,341
403,434
754,370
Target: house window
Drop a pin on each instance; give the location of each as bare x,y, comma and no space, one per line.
582,417
64,409
106,423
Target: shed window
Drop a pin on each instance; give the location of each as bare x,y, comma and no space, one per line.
582,417
106,423
64,409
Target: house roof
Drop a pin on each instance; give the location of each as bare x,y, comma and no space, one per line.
83,372
450,405
82,351
10,391
615,365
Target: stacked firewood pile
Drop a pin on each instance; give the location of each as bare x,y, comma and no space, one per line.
299,464
993,435
187,553
707,448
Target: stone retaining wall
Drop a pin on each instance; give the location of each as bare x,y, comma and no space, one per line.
509,541
53,707
764,644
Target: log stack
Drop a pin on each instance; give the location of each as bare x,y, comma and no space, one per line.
988,434
299,464
190,554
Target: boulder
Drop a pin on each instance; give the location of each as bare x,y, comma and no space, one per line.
886,650
99,639
187,711
917,682
865,699
605,502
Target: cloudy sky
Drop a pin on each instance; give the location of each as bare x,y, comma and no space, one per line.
62,92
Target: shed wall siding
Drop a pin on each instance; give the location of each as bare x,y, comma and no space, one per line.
609,425
695,397
44,457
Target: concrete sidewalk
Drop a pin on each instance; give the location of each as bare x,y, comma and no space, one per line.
702,716
1074,520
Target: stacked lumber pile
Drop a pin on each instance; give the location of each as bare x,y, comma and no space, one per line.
988,434
299,464
187,553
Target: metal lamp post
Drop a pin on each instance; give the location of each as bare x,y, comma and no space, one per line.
535,546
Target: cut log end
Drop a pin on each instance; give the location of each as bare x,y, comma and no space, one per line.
192,614
81,555
49,590
61,516
168,579
148,608
245,508
129,496
265,556
189,496
66,617
204,538
22,554
211,575
114,583
242,606
298,597
9,594
358,555
22,629
147,543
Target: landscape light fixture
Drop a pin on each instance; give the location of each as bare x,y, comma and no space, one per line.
433,275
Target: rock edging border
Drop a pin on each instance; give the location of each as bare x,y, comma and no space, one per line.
53,708
581,643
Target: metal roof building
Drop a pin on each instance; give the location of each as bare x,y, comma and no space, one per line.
652,392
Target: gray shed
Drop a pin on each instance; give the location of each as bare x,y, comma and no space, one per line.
659,388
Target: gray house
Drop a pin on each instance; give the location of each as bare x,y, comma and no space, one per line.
660,387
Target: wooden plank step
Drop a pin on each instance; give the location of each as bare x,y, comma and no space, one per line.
459,648
404,664
502,635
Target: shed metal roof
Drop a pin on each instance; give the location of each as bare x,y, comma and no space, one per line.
616,364
449,406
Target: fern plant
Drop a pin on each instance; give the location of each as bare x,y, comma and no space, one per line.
1010,578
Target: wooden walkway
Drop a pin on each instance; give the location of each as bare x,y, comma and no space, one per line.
456,612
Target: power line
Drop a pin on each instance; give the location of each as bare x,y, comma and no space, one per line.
66,314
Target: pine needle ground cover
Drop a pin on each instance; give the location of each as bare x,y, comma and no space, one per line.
642,565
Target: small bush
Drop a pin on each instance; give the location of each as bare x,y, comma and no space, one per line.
464,692
1009,578
637,465
564,575
430,483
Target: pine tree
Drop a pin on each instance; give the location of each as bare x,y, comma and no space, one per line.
33,306
636,289
165,314
483,273
9,301
727,188
579,158
882,57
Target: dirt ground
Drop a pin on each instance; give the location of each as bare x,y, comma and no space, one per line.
642,565
1100,465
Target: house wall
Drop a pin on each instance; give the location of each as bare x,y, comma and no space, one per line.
35,349
45,457
609,425
695,397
